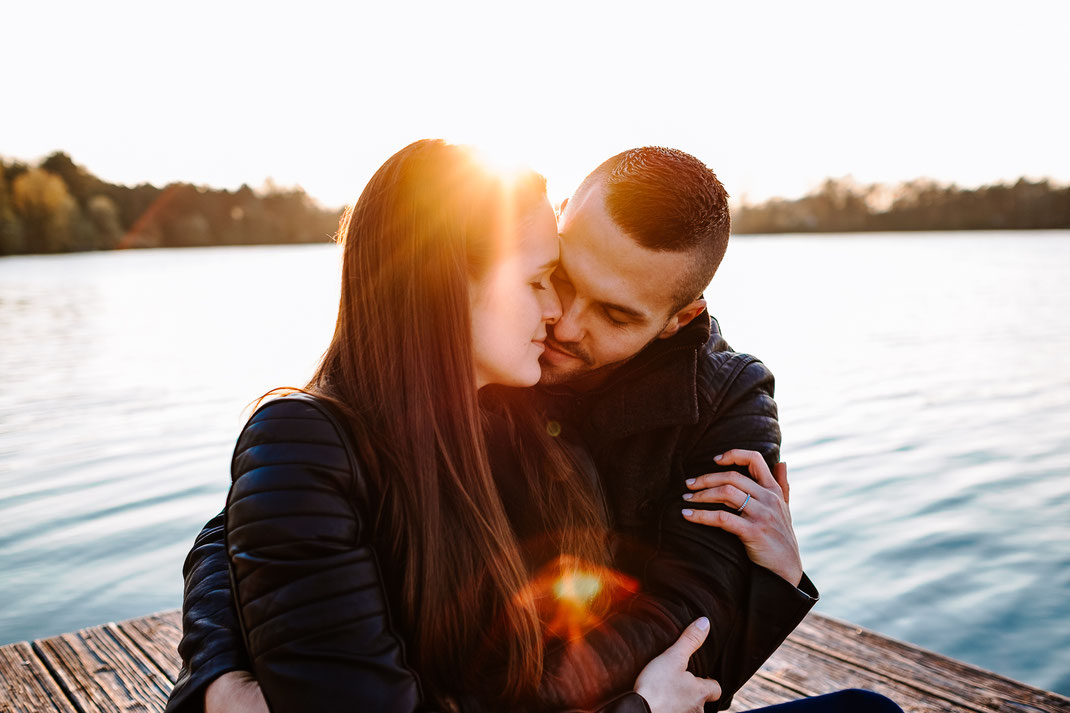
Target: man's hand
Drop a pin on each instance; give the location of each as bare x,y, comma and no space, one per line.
234,692
667,685
759,516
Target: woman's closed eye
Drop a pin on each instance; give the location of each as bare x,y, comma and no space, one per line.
542,280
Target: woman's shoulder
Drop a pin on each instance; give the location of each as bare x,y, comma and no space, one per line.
297,433
297,415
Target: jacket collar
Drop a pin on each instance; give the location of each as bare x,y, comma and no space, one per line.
656,389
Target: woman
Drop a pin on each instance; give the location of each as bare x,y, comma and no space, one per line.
366,525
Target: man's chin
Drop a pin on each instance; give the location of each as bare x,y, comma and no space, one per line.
580,377
553,375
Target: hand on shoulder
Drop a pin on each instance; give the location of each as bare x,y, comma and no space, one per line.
758,513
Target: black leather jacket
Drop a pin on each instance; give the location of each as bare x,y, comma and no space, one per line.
658,421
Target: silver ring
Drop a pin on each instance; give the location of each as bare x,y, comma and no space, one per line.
743,505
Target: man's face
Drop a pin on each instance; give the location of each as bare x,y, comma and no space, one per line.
616,296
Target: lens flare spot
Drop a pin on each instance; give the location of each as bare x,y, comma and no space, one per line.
577,587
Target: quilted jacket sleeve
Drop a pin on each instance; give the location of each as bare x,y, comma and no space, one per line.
211,640
768,607
312,610
695,570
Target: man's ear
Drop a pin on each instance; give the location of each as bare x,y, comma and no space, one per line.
683,318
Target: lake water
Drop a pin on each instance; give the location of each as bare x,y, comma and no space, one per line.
923,382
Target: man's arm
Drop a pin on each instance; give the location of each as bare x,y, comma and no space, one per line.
689,570
770,607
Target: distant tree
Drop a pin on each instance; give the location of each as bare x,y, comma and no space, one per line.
103,215
12,233
81,184
49,213
921,204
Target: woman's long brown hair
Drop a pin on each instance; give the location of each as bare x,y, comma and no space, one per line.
400,365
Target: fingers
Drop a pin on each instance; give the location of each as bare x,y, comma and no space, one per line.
727,521
728,494
753,461
712,689
691,639
763,477
780,474
712,481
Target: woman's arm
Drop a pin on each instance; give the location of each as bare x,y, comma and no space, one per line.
313,614
211,644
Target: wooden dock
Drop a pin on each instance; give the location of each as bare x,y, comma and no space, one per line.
131,666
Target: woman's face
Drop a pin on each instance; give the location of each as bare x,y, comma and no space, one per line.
513,301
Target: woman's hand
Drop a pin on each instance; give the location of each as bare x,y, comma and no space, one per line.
667,685
235,692
759,517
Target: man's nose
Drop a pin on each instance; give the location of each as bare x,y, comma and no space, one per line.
568,327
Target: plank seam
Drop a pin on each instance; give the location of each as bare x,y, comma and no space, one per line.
56,677
793,687
115,632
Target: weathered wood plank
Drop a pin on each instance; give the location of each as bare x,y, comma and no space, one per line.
812,673
26,686
760,692
100,673
931,674
132,665
157,635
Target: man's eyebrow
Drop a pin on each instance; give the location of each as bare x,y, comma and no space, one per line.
623,310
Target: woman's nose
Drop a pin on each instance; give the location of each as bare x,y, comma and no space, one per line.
551,306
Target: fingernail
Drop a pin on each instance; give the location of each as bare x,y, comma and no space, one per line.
688,513
703,623
718,457
688,496
690,481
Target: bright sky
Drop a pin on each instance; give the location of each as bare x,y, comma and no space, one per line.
773,96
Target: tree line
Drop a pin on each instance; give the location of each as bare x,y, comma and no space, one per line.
59,206
841,205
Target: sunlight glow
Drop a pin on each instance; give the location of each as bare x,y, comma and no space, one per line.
503,160
577,587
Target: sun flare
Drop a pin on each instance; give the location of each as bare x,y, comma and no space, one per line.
501,159
577,587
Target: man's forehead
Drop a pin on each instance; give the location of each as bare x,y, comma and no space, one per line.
611,267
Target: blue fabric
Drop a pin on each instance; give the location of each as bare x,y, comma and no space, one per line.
852,700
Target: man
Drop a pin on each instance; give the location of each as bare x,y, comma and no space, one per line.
637,371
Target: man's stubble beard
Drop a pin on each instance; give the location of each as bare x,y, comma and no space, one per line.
583,376
556,377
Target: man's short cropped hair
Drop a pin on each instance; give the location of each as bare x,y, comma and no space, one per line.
668,200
